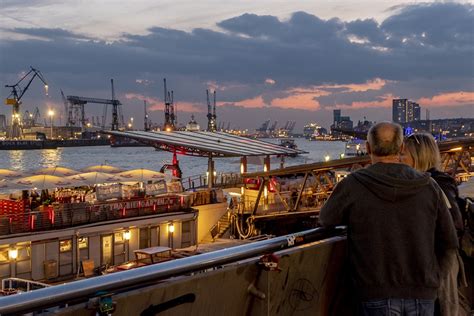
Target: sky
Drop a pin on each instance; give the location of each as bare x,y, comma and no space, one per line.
266,59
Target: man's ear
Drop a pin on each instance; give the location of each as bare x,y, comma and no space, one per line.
367,148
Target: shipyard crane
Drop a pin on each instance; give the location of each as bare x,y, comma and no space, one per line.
77,101
170,118
145,121
211,114
14,99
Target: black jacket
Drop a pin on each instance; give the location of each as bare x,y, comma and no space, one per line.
450,188
398,229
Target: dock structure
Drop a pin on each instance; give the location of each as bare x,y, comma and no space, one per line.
210,145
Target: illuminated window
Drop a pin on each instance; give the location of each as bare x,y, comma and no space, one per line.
119,238
65,245
4,255
83,242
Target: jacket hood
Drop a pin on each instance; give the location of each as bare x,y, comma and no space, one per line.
392,181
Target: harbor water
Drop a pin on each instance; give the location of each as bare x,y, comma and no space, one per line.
147,157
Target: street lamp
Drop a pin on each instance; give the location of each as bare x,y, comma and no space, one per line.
51,115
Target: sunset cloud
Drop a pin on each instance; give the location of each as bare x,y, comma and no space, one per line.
458,98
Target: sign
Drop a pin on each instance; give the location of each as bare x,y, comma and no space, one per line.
106,192
156,188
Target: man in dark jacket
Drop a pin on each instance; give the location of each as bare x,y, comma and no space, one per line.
399,229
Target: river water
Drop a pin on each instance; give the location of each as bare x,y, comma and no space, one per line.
147,157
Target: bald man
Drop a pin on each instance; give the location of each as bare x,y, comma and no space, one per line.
399,229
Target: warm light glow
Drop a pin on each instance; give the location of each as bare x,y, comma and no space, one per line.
265,191
242,168
171,228
51,113
129,125
342,156
265,168
46,88
327,157
126,235
168,129
13,254
456,149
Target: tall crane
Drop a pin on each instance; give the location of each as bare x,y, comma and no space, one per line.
211,114
145,121
14,99
169,109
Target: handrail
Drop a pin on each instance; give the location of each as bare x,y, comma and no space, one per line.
64,293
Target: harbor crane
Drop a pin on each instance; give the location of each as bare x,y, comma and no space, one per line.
211,117
117,117
17,93
170,115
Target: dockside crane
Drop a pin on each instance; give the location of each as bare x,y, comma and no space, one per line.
170,123
14,99
211,114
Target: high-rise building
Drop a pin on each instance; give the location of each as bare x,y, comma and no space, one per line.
337,116
404,111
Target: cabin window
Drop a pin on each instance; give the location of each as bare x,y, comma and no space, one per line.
118,238
107,249
144,238
65,245
83,242
119,248
4,255
65,257
23,261
185,234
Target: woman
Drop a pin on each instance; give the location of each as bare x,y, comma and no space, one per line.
422,153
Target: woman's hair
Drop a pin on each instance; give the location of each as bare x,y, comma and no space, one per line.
424,151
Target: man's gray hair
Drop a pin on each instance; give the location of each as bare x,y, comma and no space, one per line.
385,139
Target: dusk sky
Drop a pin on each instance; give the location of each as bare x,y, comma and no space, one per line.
267,59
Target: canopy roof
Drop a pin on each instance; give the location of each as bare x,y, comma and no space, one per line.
43,182
102,168
5,173
140,175
56,171
216,144
91,178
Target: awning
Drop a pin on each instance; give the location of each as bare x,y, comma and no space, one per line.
217,144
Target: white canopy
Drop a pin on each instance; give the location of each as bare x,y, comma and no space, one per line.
141,175
57,171
102,168
44,181
5,173
91,178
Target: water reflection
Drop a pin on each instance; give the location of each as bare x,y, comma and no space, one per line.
17,161
50,157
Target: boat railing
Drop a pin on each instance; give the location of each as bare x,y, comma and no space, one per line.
118,282
73,214
221,180
15,285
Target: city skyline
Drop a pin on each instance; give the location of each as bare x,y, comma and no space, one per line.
292,63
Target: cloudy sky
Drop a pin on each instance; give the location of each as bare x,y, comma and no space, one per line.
267,59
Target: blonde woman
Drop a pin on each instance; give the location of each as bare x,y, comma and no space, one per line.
422,153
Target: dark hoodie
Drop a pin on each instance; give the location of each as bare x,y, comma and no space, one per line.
398,229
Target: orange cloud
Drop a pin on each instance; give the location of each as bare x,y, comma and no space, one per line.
385,102
375,84
301,99
448,99
256,102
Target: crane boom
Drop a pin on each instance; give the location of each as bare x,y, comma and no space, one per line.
17,94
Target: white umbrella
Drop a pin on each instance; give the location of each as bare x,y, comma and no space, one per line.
91,178
56,171
5,173
102,168
44,181
141,175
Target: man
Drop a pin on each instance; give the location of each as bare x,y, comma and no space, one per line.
399,229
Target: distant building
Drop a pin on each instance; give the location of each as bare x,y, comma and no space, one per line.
405,111
3,123
193,126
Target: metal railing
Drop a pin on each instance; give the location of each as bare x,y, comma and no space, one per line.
74,214
221,180
85,289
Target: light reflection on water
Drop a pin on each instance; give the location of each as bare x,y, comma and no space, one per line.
147,157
